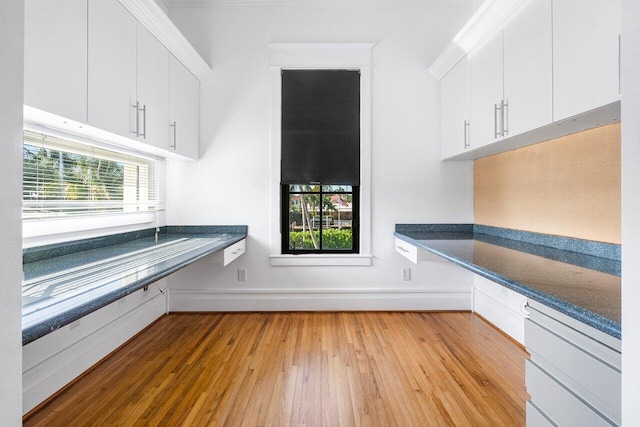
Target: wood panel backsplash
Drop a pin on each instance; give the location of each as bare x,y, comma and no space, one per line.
568,186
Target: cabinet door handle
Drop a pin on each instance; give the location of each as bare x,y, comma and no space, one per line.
496,134
619,64
466,134
144,122
505,117
173,125
136,107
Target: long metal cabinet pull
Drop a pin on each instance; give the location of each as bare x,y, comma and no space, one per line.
619,64
136,107
496,134
144,122
505,117
466,134
175,144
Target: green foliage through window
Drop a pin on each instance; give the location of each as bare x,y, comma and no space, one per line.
320,218
65,178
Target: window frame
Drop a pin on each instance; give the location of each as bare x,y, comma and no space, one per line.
355,221
300,56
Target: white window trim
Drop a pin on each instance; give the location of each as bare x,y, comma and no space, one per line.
351,56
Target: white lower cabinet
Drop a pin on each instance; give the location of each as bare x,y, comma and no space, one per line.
503,307
535,417
573,377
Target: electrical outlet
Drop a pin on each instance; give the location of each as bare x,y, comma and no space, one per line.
242,275
406,274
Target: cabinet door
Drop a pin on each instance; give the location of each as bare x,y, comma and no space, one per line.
152,89
486,92
184,107
112,67
55,62
455,98
585,55
528,69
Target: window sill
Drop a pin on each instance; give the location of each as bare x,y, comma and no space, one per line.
39,232
321,260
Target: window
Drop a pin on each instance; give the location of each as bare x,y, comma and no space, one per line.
63,179
320,161
285,57
321,218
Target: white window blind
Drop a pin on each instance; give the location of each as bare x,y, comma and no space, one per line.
64,178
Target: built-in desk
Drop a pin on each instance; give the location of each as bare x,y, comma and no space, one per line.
569,277
65,282
572,328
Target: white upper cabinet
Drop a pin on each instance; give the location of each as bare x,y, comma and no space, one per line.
528,85
585,55
538,63
112,67
184,110
94,68
152,101
487,92
455,99
55,62
511,87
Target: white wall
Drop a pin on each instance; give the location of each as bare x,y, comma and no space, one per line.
630,212
230,184
11,96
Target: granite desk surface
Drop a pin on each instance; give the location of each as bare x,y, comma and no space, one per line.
583,286
65,282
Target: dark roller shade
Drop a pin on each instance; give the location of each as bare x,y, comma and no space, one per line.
320,127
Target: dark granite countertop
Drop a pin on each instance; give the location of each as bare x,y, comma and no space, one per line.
578,278
56,291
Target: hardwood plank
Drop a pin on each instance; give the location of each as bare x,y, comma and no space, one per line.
312,369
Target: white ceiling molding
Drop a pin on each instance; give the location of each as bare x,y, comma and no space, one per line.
151,15
488,19
316,3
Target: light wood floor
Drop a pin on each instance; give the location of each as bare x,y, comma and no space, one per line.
313,369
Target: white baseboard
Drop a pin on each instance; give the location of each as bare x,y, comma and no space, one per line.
56,359
315,300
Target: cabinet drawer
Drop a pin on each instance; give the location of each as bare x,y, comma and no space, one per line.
407,250
586,372
503,307
233,252
558,403
507,297
535,418
508,321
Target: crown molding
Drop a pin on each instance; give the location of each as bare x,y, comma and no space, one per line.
487,20
153,18
315,3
